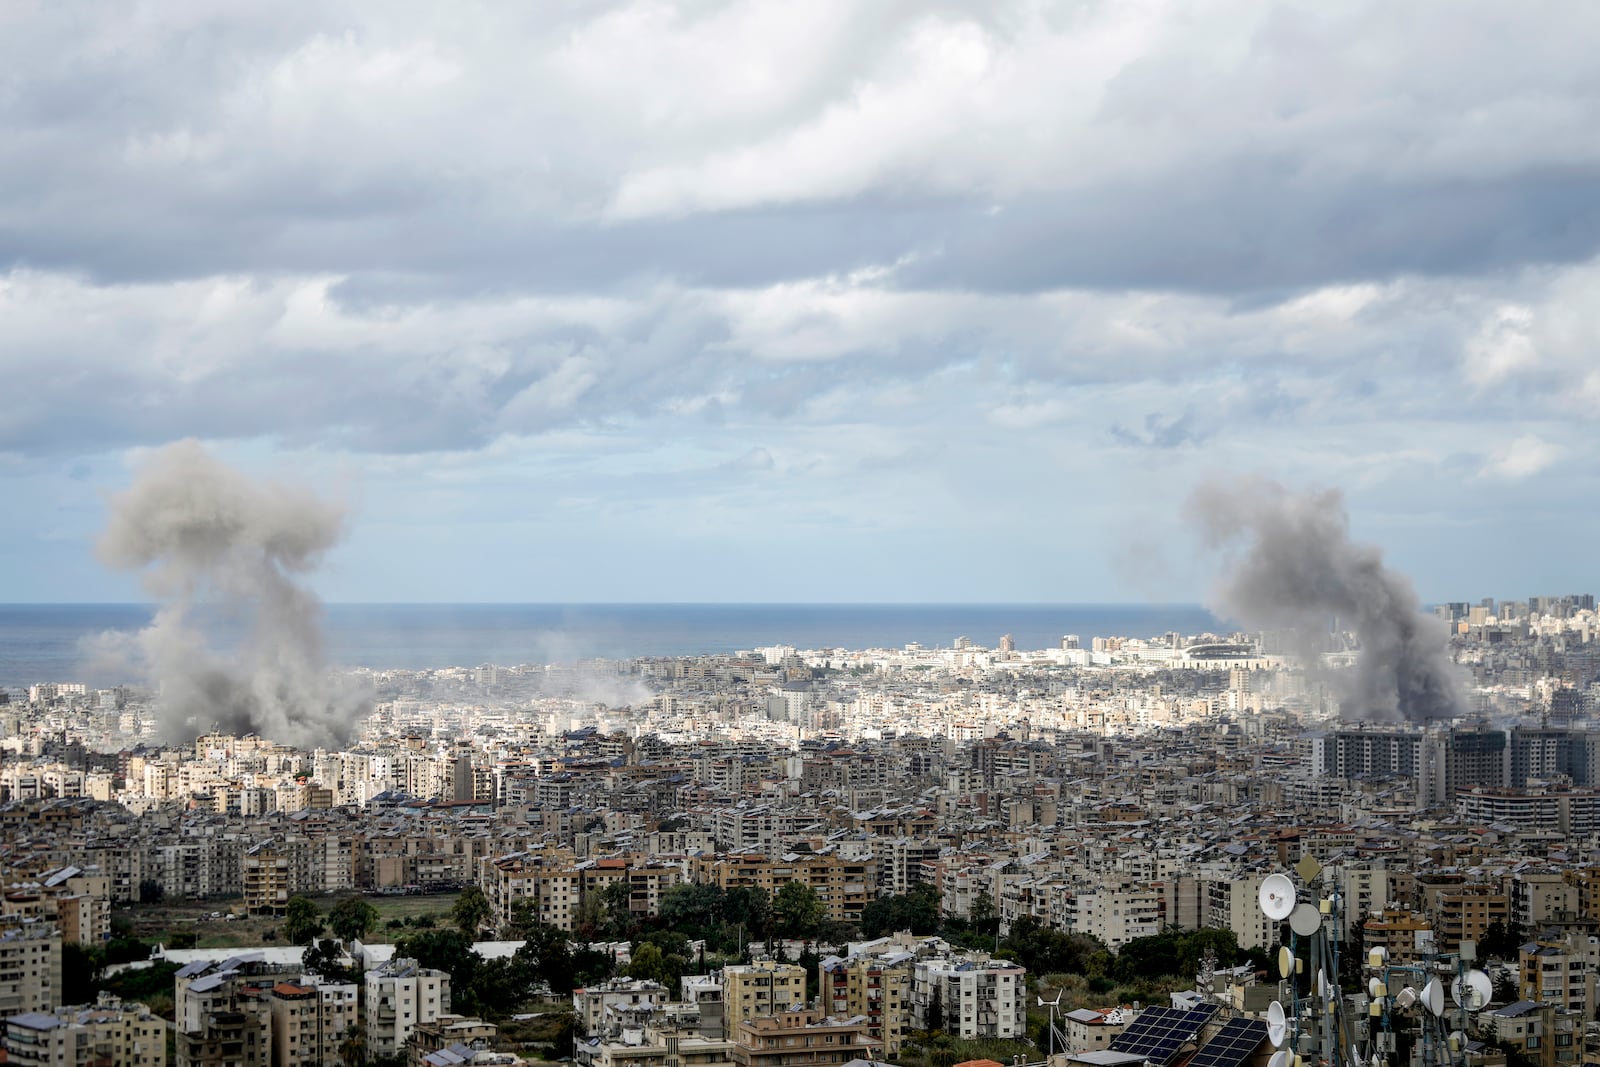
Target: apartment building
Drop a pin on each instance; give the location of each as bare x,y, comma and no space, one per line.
1559,971
30,966
757,990
801,1039
109,1033
844,885
268,880
310,1021
401,994
876,988
971,997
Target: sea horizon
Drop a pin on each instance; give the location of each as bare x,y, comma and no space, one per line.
49,642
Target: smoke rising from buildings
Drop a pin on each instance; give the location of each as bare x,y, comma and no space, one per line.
1292,565
218,551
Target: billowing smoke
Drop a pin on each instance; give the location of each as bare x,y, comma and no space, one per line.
220,551
1293,566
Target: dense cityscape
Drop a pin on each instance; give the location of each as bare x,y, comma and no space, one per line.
733,533
907,853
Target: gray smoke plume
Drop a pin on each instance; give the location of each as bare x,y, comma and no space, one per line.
211,542
1293,566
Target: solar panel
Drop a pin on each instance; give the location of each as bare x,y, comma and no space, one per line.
1235,1043
1159,1034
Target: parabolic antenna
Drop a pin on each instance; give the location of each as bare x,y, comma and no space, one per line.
1304,919
1279,1059
1285,962
1276,897
1433,997
1472,991
1375,988
1277,1025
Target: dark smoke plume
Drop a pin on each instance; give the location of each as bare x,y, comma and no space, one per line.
205,535
1293,566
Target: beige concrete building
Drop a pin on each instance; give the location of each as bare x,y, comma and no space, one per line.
110,1033
309,1022
30,966
759,990
875,988
401,994
801,1037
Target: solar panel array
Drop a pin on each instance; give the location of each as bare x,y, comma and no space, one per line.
1236,1042
1159,1034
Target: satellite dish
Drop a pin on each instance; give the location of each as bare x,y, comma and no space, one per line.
1405,998
1472,991
1277,1025
1285,962
1433,997
1276,897
1304,919
1378,957
1322,984
1279,1059
1375,988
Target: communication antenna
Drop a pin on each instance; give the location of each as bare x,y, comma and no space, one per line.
1472,990
1305,919
1433,997
1277,1024
1276,897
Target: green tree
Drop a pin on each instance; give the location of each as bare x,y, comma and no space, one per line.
471,912
301,921
650,962
449,951
916,911
351,918
982,915
797,911
546,955
80,972
323,957
1501,941
353,1047
692,909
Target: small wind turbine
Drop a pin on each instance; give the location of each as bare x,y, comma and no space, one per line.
1053,1005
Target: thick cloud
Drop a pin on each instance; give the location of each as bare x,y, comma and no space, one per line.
1094,237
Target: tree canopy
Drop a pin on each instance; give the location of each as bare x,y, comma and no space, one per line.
351,919
301,921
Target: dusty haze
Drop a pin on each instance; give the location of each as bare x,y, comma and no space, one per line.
1291,565
204,534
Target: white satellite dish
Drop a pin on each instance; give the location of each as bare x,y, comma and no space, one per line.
1473,991
1375,988
1279,1059
1322,984
1378,957
1277,1025
1433,997
1285,962
1276,897
1305,919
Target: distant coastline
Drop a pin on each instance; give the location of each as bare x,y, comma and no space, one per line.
43,642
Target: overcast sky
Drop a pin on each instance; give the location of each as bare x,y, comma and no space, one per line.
806,301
